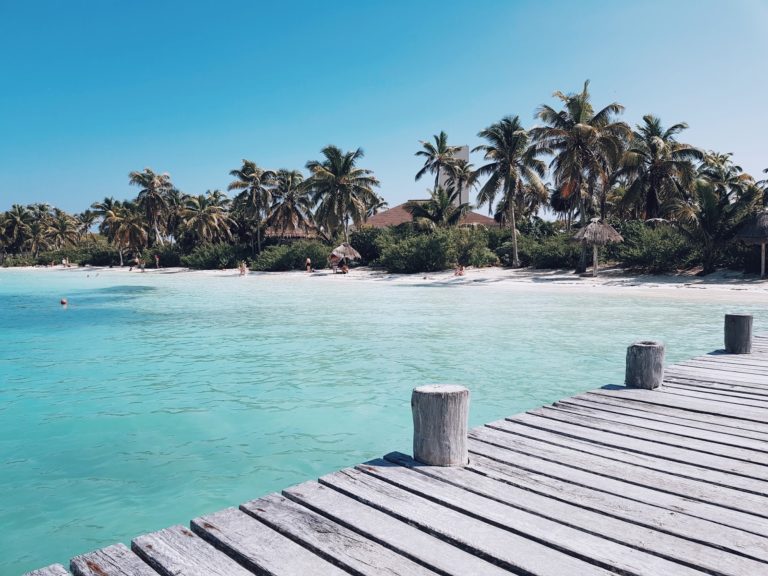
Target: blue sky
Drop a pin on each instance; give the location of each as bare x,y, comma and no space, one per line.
90,90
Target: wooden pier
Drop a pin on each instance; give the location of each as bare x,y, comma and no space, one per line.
671,481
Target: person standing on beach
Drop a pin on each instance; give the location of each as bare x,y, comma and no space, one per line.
309,265
157,261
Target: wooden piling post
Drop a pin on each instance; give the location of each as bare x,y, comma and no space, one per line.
440,414
645,365
738,333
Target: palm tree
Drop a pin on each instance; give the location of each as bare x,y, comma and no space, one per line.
341,190
256,196
512,169
205,217
461,176
152,198
437,157
375,206
441,210
63,230
16,228
585,146
85,221
723,198
292,206
659,168
130,229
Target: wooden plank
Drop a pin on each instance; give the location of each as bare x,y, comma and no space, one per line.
499,546
739,388
696,521
177,550
329,539
377,526
52,570
709,442
718,375
639,469
728,471
633,532
588,545
758,361
258,547
659,415
716,397
738,426
690,404
723,367
728,390
115,560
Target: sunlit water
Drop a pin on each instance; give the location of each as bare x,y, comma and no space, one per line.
153,398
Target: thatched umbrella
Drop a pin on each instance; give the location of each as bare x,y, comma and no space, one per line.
345,250
755,231
596,234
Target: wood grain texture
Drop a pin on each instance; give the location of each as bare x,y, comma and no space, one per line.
258,547
177,550
331,540
440,415
391,532
738,333
115,560
644,365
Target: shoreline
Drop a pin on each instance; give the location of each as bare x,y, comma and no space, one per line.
715,286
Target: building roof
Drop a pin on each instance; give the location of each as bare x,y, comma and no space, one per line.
399,215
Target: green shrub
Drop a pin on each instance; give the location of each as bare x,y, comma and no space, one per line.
652,249
742,257
558,251
213,257
471,247
170,256
12,261
292,256
422,253
365,241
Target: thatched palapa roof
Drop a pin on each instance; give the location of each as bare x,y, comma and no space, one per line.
755,230
345,250
597,233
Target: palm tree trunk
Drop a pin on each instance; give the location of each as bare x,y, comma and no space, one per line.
582,267
258,235
346,228
594,259
762,260
437,178
515,258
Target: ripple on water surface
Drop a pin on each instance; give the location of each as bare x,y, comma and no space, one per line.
154,398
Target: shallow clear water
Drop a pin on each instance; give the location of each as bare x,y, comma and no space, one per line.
154,398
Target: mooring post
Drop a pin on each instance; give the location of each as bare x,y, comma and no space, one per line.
645,365
440,414
738,333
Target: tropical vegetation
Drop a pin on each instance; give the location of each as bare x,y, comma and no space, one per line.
677,206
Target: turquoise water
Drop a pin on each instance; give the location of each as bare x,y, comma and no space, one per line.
154,398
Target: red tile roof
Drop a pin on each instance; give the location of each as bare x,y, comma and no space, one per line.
398,215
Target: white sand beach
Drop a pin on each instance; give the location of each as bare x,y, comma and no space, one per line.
719,286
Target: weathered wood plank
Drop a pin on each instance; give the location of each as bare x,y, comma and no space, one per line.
664,407
638,469
395,534
666,415
718,375
761,392
722,367
716,396
115,560
329,539
500,546
755,452
660,510
727,390
588,545
691,404
736,473
52,570
711,432
258,547
636,533
177,550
